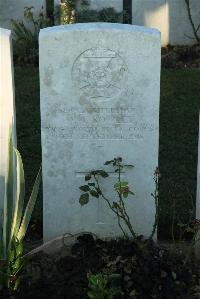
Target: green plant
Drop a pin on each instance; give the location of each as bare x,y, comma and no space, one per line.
15,220
65,12
12,266
26,37
101,286
122,189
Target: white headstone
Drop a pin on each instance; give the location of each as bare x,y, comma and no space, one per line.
100,88
7,104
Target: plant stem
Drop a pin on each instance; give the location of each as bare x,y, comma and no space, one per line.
155,196
118,218
125,216
110,206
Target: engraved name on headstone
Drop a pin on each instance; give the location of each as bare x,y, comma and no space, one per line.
100,88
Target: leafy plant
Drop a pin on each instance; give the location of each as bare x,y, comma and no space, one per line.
121,188
101,286
12,267
26,36
123,191
15,220
65,12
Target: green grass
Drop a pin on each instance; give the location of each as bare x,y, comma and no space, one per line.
179,113
179,108
28,128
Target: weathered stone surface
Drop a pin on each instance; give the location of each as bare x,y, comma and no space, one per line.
7,105
99,99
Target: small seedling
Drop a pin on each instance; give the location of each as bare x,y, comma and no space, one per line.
102,286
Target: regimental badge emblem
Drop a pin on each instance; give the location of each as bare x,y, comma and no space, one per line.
99,73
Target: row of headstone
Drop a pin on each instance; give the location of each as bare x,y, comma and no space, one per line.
7,106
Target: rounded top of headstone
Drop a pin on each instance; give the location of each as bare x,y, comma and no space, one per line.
5,32
100,26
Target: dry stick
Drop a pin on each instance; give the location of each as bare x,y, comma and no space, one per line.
191,21
118,219
118,215
127,221
126,217
155,196
156,218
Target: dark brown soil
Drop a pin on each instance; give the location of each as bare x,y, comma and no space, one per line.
180,57
146,271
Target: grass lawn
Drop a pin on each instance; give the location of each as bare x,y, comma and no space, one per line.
179,108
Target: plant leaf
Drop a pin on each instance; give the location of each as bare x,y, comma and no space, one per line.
125,194
30,206
130,192
108,162
124,183
103,173
91,184
19,197
88,177
84,199
8,195
17,283
11,255
19,249
84,188
128,165
94,193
